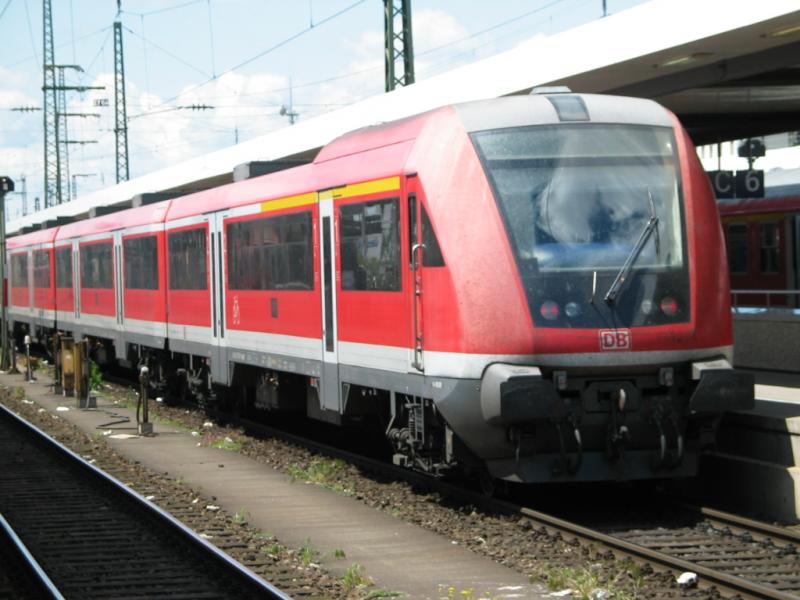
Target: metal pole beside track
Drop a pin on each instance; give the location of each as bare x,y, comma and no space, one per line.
6,186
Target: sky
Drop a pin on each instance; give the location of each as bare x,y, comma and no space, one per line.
243,59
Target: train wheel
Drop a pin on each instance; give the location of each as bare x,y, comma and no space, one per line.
488,485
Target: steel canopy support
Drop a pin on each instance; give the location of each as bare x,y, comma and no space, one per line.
398,42
120,112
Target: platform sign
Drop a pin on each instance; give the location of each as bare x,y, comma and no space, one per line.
722,182
739,184
750,184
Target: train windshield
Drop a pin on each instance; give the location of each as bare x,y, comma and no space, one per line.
578,196
579,200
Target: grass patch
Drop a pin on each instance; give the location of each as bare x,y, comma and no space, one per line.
354,578
174,423
95,377
583,581
324,472
383,593
226,443
19,393
272,549
307,552
241,517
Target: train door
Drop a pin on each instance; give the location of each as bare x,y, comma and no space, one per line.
119,280
329,389
416,249
76,279
219,356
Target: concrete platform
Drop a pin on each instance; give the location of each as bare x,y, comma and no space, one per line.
396,555
757,463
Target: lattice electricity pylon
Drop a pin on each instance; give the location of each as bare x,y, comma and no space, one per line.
63,135
52,170
398,43
120,112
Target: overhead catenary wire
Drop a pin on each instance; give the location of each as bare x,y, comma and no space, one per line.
280,44
5,8
30,33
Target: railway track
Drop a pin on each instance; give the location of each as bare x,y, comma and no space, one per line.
95,538
740,557
21,576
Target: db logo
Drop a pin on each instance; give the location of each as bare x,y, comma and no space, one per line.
615,339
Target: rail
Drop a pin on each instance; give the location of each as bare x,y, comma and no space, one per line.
735,294
32,571
246,582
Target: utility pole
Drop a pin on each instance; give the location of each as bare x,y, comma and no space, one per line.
75,177
56,142
120,110
6,186
288,111
52,164
24,193
398,43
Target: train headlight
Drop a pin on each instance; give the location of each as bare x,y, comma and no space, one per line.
669,306
573,309
550,310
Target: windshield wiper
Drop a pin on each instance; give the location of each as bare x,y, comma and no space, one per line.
622,276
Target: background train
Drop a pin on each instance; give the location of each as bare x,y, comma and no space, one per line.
763,241
532,288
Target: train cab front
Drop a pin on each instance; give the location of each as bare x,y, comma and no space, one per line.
620,259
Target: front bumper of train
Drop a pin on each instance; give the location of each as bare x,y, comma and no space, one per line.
595,425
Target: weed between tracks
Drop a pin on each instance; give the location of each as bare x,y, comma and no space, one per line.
325,472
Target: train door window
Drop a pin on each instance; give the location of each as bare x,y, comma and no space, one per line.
432,254
770,247
370,245
140,255
19,270
64,267
41,269
187,260
736,242
97,270
272,253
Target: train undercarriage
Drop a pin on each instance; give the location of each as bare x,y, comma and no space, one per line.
540,425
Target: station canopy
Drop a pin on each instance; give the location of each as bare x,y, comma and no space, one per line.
729,69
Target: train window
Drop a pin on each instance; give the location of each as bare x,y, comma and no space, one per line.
432,254
188,260
272,253
41,269
64,267
736,242
370,245
19,270
770,248
97,270
140,255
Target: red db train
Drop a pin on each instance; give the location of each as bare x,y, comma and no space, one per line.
763,240
530,288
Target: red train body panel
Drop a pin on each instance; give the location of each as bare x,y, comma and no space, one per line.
763,241
531,284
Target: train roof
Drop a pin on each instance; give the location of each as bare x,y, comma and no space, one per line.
553,108
754,206
34,237
133,217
